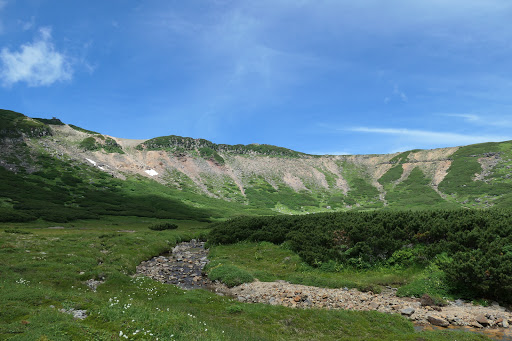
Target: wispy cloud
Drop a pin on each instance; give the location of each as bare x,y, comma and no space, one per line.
36,63
467,117
431,137
484,120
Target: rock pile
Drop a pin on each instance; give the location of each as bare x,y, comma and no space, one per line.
182,267
456,313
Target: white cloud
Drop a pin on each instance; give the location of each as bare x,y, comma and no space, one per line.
36,63
432,137
467,117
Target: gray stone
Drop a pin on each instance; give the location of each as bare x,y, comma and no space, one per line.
407,311
459,303
77,313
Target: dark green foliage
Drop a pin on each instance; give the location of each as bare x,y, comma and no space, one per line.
212,155
179,143
89,143
263,195
108,144
163,226
392,175
58,193
111,146
53,121
83,130
480,242
14,216
14,124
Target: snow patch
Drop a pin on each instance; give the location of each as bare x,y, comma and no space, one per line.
93,162
151,172
102,168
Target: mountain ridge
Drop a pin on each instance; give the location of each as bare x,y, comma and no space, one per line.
265,177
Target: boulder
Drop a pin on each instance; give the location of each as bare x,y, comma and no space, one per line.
407,311
426,300
437,321
482,320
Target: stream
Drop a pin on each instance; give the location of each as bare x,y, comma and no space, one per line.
183,266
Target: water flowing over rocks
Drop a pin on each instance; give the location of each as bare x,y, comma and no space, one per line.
182,267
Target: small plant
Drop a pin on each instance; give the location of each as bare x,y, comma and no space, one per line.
235,309
163,226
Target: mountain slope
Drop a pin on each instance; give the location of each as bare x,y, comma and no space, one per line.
205,179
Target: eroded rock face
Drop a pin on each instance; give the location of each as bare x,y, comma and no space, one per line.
182,267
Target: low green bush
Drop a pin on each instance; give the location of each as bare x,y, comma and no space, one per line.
163,226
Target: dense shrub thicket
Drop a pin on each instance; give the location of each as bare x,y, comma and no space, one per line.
476,244
163,226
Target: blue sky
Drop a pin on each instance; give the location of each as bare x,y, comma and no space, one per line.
318,76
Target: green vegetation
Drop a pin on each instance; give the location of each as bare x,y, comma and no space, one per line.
108,144
179,143
269,262
210,154
58,193
476,246
392,175
228,274
362,192
111,146
14,124
464,167
163,226
415,193
52,121
89,143
83,130
47,270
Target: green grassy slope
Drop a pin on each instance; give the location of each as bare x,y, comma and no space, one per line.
45,270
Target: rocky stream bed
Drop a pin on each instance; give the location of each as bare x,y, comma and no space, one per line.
184,267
